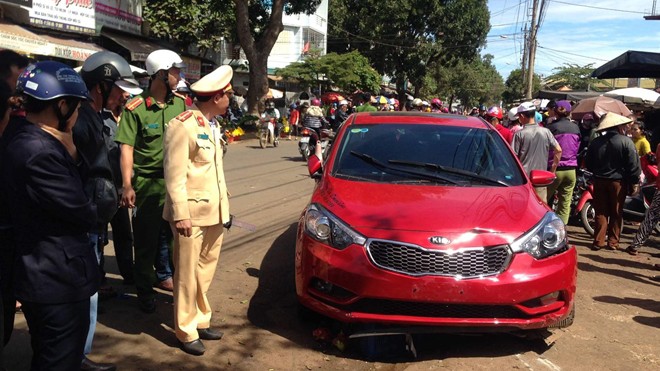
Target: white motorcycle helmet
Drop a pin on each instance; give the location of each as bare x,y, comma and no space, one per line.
163,59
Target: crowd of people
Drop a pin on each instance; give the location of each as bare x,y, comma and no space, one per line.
83,150
76,154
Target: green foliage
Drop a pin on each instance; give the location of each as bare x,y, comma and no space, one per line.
472,82
514,88
185,22
574,76
402,38
348,71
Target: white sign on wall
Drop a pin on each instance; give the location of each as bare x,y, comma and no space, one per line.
68,15
123,15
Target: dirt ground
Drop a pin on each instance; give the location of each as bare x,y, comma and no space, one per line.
617,325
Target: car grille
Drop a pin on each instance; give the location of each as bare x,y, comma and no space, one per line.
436,310
416,261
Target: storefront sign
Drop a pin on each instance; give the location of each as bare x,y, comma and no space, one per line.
21,41
193,68
119,15
70,52
68,15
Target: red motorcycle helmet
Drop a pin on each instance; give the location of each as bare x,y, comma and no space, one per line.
436,102
494,111
316,102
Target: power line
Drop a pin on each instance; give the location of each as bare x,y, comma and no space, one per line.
597,7
577,55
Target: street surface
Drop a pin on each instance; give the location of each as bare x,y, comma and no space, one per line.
617,325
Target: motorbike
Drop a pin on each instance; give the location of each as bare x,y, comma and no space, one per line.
634,207
267,134
309,139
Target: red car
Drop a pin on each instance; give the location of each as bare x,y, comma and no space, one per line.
429,219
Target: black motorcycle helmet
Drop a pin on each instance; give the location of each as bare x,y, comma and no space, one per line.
107,68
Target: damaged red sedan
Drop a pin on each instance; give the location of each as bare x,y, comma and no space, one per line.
429,220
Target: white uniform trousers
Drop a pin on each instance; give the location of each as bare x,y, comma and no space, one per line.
195,261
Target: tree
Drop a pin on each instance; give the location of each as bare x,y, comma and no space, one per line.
349,71
473,83
402,38
575,76
514,88
190,22
258,24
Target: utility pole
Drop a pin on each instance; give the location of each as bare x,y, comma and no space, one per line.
524,58
532,51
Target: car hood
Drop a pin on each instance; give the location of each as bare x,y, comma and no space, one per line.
448,211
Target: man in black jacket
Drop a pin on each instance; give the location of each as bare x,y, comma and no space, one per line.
55,270
106,75
613,160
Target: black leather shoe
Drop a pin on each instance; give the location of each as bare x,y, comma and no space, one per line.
147,305
88,364
195,347
209,334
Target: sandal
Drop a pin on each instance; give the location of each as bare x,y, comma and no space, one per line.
632,250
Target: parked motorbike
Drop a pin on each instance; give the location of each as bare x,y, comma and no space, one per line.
634,208
309,139
267,134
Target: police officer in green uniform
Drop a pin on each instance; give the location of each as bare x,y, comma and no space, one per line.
141,136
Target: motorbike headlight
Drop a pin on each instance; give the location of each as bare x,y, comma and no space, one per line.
546,238
323,226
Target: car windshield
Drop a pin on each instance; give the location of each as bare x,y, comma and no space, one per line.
422,154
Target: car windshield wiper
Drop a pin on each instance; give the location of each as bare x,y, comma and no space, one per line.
369,159
451,170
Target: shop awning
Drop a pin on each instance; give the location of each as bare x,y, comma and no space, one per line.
17,38
70,49
138,48
630,64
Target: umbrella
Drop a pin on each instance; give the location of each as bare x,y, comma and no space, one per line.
274,93
331,97
598,106
630,64
641,96
381,99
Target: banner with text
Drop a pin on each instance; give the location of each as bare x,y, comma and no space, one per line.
123,15
68,15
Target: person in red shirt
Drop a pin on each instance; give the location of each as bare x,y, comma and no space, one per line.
494,116
294,118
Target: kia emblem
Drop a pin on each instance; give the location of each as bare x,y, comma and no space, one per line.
439,240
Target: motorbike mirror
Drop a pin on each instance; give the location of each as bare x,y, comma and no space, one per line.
314,166
542,178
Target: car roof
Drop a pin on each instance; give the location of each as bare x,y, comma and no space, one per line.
412,117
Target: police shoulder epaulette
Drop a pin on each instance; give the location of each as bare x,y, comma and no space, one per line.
134,103
183,116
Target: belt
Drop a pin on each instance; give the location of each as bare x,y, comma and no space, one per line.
155,175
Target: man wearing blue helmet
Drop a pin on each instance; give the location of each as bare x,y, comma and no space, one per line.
56,272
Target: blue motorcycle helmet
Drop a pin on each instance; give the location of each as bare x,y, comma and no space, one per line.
46,83
49,80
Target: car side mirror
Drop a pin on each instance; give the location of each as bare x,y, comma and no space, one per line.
314,166
542,178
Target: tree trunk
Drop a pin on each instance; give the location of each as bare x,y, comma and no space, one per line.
257,52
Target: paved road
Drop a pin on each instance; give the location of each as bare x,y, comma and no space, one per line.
617,324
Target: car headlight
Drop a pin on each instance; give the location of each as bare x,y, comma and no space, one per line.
546,238
323,226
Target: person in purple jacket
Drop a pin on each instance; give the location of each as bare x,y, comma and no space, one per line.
567,134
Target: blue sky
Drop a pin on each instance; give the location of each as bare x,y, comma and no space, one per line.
575,32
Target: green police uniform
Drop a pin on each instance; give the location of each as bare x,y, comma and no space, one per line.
142,126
